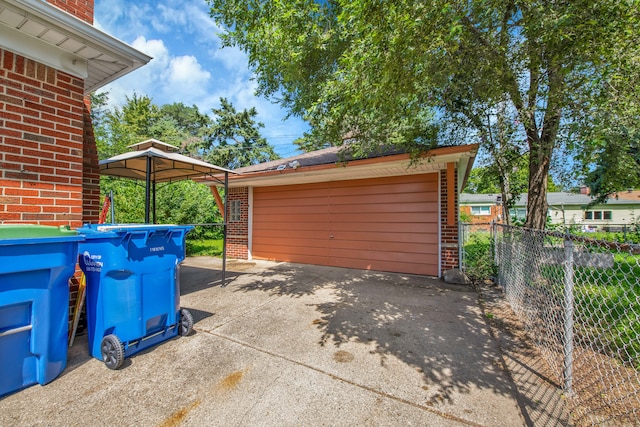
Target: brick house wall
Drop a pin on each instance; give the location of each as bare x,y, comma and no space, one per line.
238,231
449,253
495,214
82,9
48,160
41,139
49,171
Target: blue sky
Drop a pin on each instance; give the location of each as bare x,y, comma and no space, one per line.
188,64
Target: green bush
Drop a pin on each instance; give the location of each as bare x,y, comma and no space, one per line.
478,257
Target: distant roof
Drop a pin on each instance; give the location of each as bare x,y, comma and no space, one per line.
553,199
628,195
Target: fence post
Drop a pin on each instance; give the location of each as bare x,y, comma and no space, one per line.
568,316
494,235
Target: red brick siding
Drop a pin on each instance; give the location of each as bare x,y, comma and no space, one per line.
41,143
82,9
449,256
90,170
238,231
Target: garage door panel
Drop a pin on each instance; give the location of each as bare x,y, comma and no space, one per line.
388,224
297,258
288,193
377,257
307,202
285,216
292,210
422,208
413,183
384,237
288,232
395,198
379,247
427,269
375,227
400,217
307,247
260,227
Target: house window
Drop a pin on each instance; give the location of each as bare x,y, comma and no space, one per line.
518,213
480,210
600,215
234,211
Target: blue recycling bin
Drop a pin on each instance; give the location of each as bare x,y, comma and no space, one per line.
133,287
36,263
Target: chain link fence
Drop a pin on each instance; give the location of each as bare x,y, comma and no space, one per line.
579,299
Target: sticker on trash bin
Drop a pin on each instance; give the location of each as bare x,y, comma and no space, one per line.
157,249
91,262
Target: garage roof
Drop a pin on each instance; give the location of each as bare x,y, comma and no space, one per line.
42,32
329,165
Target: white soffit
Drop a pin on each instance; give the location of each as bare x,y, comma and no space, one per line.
42,32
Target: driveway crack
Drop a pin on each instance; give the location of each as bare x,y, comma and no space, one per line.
344,380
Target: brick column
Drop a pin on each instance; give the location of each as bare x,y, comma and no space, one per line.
449,255
238,231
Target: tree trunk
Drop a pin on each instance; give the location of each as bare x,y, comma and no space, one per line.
540,150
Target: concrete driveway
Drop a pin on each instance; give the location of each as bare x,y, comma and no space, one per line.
287,344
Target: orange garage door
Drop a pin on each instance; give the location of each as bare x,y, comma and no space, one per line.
386,224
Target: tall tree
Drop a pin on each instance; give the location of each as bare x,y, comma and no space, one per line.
372,68
233,138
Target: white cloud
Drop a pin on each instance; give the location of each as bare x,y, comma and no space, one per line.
188,65
186,79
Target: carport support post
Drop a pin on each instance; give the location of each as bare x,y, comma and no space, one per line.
154,201
224,229
147,191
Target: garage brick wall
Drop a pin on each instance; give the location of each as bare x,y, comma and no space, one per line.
449,257
238,231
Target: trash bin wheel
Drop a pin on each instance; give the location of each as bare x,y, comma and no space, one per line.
186,322
112,351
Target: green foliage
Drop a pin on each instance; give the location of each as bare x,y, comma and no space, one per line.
183,202
478,257
607,306
408,72
232,139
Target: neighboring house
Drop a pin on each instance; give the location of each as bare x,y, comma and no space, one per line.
51,58
564,208
378,213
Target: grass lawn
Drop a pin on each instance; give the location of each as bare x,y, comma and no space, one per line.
204,247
